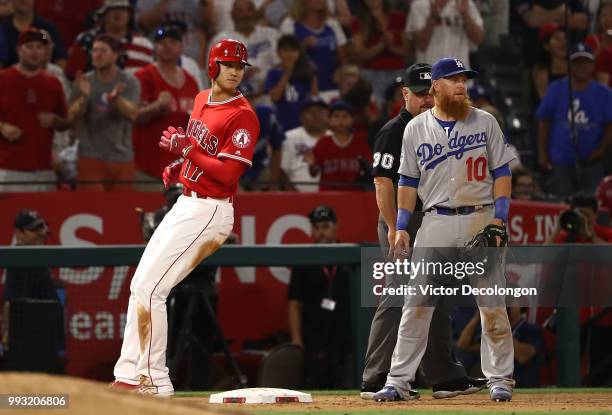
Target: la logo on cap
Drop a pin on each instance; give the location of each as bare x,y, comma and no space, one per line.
459,63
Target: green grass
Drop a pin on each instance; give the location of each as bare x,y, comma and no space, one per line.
425,392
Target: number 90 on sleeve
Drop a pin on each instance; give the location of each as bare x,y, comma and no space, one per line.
385,160
16,401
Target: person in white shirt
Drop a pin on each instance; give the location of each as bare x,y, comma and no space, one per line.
261,42
441,28
295,173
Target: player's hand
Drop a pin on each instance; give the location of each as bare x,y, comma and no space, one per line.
171,173
391,239
497,222
174,140
46,119
10,131
402,245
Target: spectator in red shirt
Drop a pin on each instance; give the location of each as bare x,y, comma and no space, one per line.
603,45
379,44
167,91
116,21
342,159
30,109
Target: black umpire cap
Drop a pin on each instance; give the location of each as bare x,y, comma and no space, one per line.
418,77
322,213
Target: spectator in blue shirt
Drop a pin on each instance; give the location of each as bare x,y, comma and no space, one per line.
268,147
22,18
321,36
592,105
289,83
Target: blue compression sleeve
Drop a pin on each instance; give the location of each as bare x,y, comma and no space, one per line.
501,171
408,181
502,207
403,217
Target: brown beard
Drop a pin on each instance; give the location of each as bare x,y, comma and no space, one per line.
458,110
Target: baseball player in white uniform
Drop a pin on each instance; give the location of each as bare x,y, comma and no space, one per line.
216,148
456,158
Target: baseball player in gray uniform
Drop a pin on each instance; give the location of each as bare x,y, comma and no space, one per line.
446,375
455,158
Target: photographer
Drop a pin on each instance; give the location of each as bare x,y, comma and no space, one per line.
577,224
603,227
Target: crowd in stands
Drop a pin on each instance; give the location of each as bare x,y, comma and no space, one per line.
89,86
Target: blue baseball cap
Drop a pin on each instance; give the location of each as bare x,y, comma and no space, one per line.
479,91
447,67
311,101
581,50
340,105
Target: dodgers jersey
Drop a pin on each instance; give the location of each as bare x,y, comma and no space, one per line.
454,167
224,129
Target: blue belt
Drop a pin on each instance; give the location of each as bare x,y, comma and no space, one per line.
461,210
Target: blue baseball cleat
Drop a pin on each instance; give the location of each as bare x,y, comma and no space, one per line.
499,394
389,393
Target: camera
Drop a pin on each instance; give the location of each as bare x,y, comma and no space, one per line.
573,220
149,221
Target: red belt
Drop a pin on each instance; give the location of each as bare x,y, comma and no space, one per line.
191,193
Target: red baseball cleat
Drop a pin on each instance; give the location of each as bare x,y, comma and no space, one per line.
122,385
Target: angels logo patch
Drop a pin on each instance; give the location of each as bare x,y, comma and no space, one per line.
241,138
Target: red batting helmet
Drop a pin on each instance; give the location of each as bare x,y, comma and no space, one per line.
604,192
226,50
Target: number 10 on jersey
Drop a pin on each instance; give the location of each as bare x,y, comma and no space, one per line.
476,169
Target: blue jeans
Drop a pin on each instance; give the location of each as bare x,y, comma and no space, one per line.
566,181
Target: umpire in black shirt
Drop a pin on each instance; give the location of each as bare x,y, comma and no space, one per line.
441,369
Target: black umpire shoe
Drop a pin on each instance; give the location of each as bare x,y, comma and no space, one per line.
461,386
369,389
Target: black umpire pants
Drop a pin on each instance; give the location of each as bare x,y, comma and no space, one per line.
438,364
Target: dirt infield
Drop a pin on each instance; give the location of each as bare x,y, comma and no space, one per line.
89,398
94,398
557,403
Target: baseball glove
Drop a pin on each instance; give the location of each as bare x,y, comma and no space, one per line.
485,238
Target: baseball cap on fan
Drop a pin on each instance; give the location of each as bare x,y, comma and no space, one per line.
115,4
28,219
418,77
581,50
447,67
33,34
169,31
311,101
